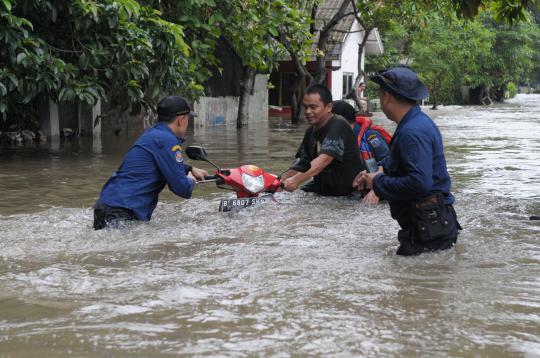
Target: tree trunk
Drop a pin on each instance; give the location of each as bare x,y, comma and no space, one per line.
485,99
361,76
498,94
320,69
324,35
305,77
294,100
297,97
433,97
302,76
361,73
248,79
298,111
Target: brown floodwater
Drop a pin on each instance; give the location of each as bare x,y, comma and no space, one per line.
308,276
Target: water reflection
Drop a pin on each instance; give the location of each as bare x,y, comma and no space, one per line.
97,147
305,276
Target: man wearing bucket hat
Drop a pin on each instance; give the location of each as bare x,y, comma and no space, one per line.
413,178
155,159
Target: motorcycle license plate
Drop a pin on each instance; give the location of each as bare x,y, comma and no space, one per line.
230,204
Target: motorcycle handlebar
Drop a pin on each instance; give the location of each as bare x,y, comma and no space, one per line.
212,179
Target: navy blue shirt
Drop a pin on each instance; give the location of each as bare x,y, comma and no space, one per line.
154,160
416,166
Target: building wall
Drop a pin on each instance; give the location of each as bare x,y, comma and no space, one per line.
121,122
225,80
349,61
218,111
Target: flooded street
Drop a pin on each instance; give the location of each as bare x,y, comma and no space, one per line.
308,276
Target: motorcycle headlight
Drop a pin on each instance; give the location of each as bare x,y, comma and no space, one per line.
253,184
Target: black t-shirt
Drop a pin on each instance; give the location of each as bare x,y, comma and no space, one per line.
335,139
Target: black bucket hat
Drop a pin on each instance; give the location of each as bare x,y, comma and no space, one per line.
403,81
170,107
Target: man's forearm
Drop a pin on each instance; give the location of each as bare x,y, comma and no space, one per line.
289,173
317,165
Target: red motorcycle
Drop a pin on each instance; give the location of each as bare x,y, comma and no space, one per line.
248,181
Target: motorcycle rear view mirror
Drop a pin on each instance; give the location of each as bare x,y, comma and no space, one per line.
300,165
195,152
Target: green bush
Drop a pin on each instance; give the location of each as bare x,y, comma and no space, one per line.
511,90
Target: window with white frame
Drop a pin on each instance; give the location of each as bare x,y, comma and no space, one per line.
348,81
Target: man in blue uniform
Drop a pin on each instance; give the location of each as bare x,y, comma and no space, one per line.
413,178
373,147
154,160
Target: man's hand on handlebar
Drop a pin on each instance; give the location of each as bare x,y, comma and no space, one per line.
192,178
198,174
290,184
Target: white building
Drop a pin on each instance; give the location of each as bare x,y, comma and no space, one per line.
344,56
341,58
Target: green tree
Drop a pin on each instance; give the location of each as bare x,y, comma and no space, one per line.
535,39
449,52
249,33
82,50
297,38
504,10
249,28
511,58
201,22
386,17
447,55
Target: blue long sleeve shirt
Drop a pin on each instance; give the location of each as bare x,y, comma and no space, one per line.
416,166
154,160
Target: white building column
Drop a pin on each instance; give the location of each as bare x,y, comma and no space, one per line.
53,129
51,125
96,129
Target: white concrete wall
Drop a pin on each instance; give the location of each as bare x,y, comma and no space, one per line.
54,120
349,60
337,84
219,111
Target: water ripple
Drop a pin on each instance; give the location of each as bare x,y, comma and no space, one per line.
304,276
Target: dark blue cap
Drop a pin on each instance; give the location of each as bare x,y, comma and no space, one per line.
403,81
170,107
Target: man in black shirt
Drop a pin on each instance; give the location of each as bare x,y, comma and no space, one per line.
329,145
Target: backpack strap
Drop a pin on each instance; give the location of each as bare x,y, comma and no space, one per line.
364,123
384,133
